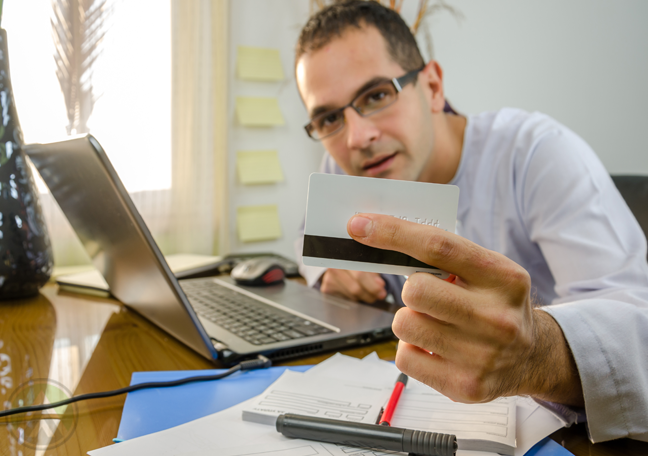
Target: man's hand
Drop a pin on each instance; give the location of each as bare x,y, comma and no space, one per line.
479,337
354,285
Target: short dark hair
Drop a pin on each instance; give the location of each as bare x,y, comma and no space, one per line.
335,19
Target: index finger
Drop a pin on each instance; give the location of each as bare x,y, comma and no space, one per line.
431,245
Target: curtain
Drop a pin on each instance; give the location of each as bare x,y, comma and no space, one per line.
199,37
192,215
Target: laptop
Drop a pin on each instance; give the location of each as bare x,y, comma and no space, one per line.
214,316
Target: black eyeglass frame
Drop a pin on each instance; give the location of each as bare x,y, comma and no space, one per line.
399,84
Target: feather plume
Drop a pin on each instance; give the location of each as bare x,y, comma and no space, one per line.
78,30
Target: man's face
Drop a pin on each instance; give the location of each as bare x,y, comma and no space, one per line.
395,143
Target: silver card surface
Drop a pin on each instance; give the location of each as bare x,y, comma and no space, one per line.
334,199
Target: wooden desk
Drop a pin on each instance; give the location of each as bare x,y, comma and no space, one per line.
85,344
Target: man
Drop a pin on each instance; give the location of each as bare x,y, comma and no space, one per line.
540,223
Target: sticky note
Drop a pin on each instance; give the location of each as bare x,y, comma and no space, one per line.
259,64
258,112
258,167
258,223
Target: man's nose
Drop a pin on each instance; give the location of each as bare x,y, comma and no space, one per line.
361,131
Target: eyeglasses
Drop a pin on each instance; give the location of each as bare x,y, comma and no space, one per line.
369,102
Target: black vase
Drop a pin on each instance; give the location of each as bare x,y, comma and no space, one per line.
25,249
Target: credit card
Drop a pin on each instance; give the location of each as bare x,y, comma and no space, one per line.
333,199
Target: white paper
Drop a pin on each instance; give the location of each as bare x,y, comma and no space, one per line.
220,430
423,408
288,448
344,367
324,397
537,425
477,426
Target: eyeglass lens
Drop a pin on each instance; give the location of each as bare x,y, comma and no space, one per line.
367,103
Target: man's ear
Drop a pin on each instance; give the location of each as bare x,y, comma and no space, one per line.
432,80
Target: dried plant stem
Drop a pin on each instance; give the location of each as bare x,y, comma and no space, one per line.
425,9
419,16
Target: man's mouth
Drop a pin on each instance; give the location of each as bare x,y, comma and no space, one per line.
379,165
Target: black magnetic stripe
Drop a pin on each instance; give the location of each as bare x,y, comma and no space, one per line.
351,250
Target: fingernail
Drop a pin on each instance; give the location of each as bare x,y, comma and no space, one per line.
360,226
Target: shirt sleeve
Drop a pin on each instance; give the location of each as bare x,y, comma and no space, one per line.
596,253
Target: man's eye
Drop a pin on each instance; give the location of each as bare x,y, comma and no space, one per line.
328,120
377,96
376,99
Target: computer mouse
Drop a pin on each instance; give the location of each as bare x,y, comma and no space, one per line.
258,272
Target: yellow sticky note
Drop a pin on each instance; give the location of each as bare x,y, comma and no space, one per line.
258,112
258,223
259,64
258,167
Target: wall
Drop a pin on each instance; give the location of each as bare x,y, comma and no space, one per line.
583,62
272,24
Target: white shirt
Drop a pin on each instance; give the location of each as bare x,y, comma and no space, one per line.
534,191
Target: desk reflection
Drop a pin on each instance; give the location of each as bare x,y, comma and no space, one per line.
45,342
80,344
27,339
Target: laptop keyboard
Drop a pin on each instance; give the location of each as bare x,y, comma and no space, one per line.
252,320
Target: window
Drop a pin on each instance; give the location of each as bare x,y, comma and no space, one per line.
176,175
131,117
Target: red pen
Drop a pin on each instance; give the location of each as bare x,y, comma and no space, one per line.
385,418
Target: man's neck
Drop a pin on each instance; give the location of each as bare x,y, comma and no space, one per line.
444,160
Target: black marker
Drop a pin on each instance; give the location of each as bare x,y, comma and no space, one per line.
362,435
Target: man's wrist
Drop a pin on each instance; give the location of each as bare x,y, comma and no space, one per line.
551,372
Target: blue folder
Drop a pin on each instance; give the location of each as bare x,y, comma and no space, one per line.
152,410
548,447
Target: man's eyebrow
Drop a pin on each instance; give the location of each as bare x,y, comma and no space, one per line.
367,85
